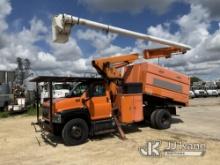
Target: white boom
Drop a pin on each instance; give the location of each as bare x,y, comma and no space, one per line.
62,24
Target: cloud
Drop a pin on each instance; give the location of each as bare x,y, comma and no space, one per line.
211,5
204,58
102,43
22,44
131,6
5,9
60,59
100,40
67,51
157,6
68,59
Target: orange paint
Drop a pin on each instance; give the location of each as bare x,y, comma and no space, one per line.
130,107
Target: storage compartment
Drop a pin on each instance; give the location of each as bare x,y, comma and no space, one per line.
159,81
130,108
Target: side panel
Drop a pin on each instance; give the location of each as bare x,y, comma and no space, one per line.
138,108
163,87
100,107
63,104
125,108
160,82
130,107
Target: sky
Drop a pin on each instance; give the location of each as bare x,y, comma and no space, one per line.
25,31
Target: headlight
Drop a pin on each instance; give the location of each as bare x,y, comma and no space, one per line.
57,118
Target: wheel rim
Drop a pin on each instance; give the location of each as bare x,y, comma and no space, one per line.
76,132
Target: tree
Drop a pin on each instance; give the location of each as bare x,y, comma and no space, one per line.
194,79
23,69
27,67
19,71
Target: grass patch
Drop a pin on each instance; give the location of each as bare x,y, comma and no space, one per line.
31,111
4,114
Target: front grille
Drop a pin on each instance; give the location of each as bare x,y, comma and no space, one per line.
45,112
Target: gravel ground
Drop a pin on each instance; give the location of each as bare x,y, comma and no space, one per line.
20,144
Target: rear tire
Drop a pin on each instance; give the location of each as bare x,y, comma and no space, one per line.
163,119
152,119
75,132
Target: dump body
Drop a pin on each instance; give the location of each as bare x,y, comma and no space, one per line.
160,82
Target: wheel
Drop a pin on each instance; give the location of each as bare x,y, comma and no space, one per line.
152,119
75,132
163,119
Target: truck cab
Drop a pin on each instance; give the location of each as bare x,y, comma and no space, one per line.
89,102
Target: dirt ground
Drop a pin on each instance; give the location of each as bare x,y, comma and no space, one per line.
201,118
199,123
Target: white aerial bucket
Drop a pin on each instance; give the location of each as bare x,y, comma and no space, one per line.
60,30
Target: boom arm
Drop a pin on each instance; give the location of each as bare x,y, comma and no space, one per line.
62,24
108,66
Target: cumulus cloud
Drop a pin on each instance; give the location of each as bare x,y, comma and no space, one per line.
102,43
137,6
211,5
68,59
67,51
158,6
5,9
21,44
204,58
60,59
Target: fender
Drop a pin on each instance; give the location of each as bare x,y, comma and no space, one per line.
75,113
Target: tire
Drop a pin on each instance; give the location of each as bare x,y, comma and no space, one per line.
163,119
75,132
152,119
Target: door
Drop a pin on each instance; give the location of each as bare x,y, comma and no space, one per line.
99,102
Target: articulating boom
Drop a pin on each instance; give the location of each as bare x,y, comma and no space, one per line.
62,24
108,66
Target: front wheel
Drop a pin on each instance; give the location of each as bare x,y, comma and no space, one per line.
75,132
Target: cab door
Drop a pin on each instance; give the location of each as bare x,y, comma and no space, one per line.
99,103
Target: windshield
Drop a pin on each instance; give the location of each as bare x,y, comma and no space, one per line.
61,86
78,90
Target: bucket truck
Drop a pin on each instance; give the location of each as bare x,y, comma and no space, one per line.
144,92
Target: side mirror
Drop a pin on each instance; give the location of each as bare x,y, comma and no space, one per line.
85,99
